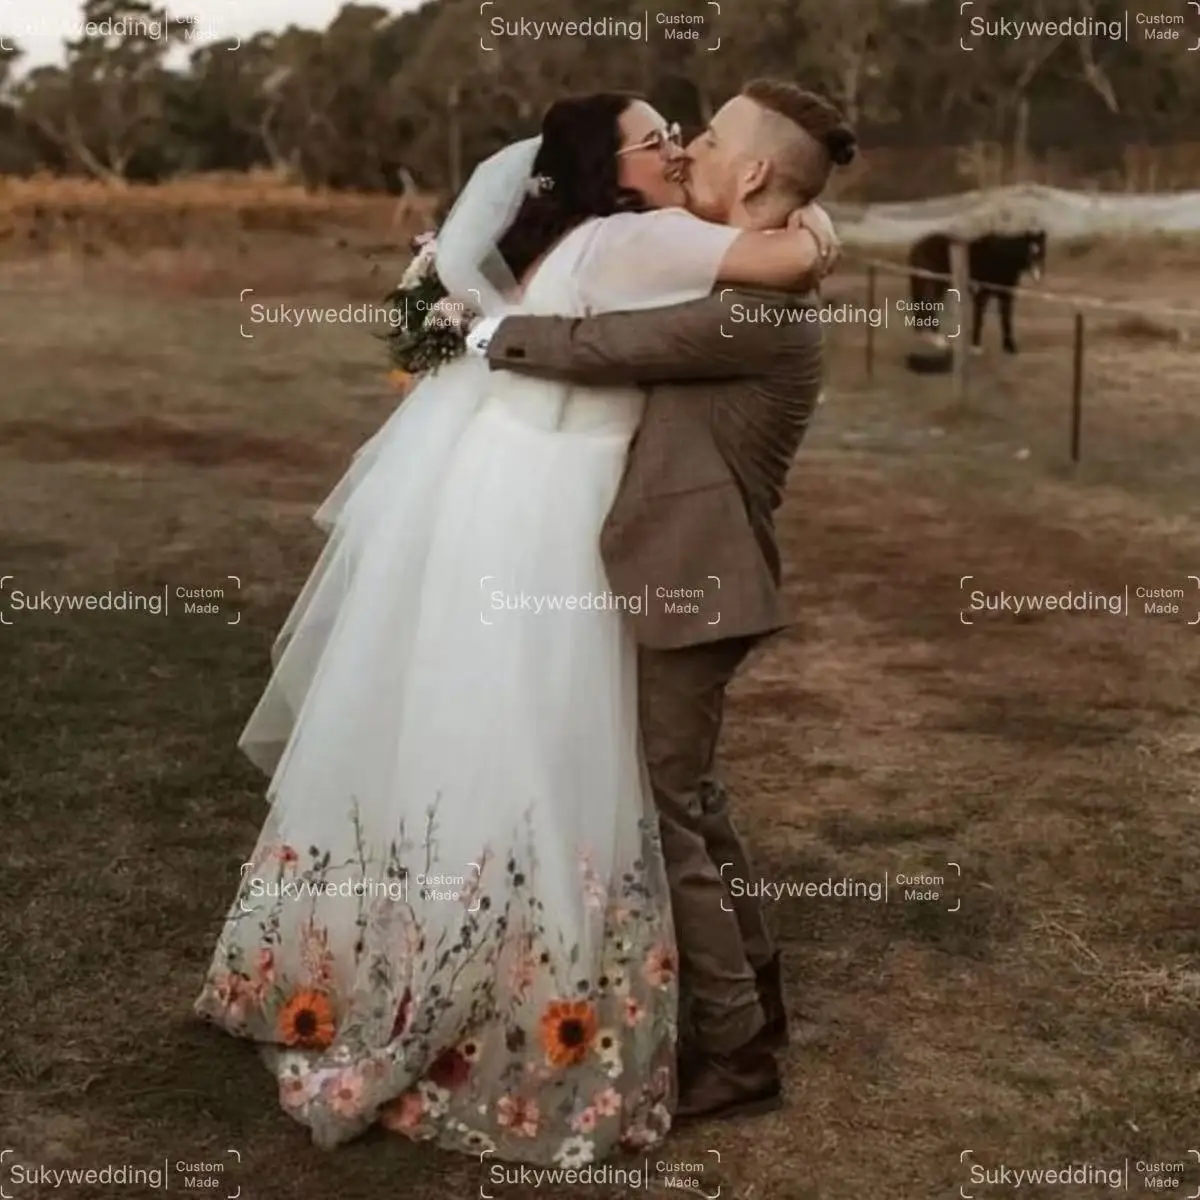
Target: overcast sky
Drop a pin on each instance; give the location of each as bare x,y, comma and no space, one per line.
41,25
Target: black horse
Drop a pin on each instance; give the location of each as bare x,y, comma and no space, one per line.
995,263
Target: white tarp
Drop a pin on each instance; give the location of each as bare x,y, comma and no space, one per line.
1060,213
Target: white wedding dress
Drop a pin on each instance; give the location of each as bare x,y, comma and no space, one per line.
456,920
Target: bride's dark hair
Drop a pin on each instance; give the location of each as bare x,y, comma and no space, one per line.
578,155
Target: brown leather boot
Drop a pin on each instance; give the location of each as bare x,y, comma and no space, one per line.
774,1033
743,1083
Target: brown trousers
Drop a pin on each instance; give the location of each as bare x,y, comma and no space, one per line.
723,938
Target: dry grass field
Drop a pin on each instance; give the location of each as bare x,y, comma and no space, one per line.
1042,1011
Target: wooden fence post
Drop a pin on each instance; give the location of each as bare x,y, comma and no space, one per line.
1077,389
962,284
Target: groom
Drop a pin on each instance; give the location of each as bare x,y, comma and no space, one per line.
692,529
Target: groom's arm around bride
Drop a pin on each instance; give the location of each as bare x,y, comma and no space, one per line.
733,380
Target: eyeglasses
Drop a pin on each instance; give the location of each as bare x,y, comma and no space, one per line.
660,139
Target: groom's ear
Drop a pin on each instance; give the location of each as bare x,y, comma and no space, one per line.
755,176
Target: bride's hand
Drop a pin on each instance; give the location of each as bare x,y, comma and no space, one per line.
797,256
813,218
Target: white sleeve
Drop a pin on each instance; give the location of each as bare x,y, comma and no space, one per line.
651,260
481,334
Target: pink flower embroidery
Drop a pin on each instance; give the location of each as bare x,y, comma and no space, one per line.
585,1121
264,960
661,966
518,1114
403,1114
345,1092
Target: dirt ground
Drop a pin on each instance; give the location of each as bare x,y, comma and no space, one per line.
1040,1011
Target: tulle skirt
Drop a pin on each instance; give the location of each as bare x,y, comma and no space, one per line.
456,919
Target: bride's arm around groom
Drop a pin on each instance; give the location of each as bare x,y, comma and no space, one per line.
735,333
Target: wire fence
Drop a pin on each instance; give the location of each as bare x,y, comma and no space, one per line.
1112,382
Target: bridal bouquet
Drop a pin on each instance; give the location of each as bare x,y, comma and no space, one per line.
428,331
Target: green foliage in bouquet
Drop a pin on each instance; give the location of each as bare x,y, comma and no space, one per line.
421,338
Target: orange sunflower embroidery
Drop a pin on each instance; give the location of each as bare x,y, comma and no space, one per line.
306,1020
568,1028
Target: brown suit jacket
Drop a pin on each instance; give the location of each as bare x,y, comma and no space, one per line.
732,379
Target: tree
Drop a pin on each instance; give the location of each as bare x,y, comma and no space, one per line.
108,103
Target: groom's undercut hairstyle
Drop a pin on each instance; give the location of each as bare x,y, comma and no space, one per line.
804,135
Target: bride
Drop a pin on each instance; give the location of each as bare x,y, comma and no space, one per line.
455,921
